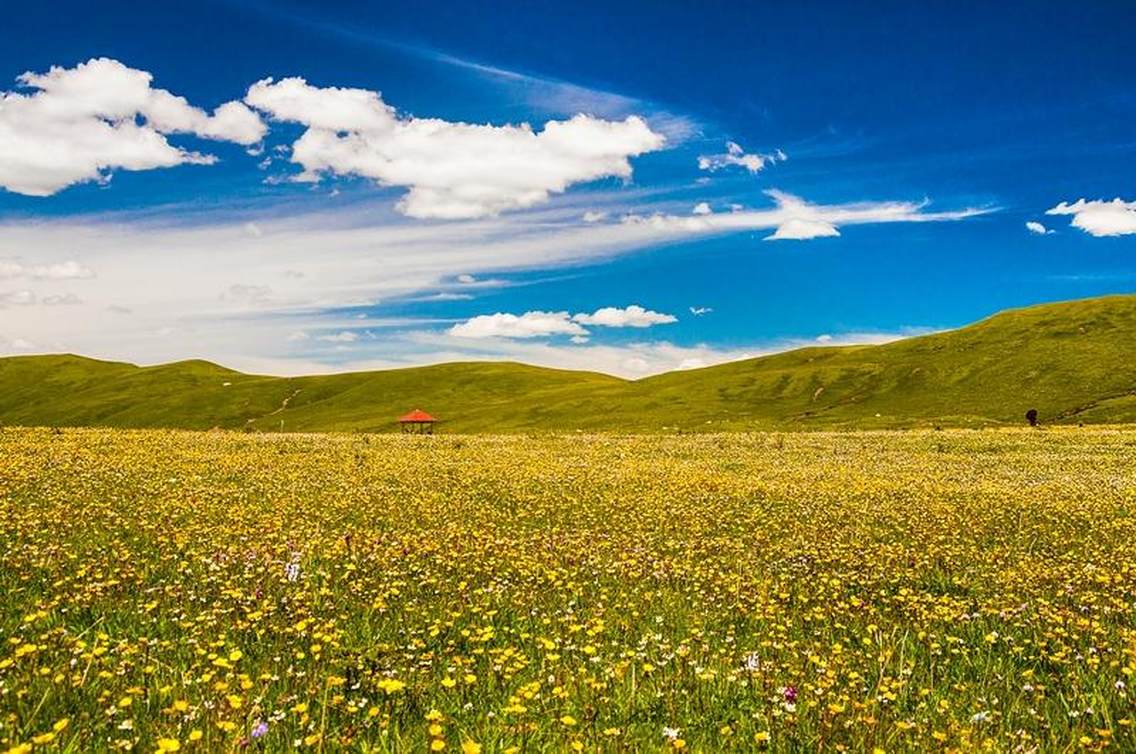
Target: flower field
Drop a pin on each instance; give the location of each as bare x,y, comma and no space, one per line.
906,591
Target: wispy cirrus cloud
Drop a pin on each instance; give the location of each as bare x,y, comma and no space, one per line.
214,290
793,218
536,91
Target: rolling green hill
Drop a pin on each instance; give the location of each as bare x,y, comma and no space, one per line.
1072,361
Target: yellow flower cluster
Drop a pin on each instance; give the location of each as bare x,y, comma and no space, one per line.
887,592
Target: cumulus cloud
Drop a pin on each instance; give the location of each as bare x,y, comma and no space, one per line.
346,336
533,324
594,216
240,293
699,311
800,229
630,316
536,324
803,222
79,123
1100,218
702,208
451,170
69,270
62,299
15,345
17,298
736,156
1035,227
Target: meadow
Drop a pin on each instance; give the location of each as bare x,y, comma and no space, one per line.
875,591
1071,361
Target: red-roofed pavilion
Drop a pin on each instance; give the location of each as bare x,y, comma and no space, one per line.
417,422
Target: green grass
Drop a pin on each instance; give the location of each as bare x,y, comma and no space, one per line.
1072,361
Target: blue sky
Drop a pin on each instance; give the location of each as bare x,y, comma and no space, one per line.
698,182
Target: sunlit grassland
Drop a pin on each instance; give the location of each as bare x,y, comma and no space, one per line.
1071,361
907,591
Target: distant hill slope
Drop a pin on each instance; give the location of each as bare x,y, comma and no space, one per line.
1073,361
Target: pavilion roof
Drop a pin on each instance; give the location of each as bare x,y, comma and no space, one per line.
417,415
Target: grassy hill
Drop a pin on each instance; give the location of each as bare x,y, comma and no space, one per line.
1072,361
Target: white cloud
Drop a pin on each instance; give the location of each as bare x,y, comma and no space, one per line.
631,316
240,293
800,229
70,270
702,208
536,324
632,360
1035,227
635,366
451,170
472,281
1100,218
699,311
345,336
17,298
803,222
533,324
318,264
62,299
794,218
101,115
15,345
736,156
443,296
594,216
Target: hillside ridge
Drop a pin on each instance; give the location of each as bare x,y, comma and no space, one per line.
1072,361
